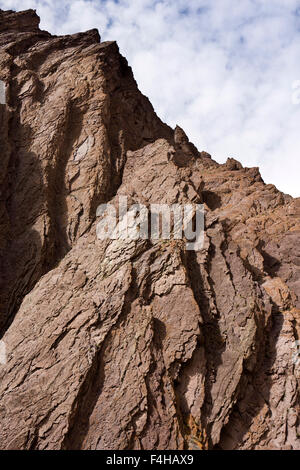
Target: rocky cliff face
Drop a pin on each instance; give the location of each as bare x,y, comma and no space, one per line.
133,344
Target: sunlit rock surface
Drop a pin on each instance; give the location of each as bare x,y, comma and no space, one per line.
136,344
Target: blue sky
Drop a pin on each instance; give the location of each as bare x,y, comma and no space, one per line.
227,71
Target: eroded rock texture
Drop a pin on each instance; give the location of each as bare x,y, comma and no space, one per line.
133,344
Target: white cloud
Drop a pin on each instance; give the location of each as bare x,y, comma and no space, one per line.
222,69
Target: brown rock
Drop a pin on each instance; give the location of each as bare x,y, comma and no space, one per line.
133,344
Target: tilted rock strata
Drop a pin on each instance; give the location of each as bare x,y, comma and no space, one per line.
138,344
73,110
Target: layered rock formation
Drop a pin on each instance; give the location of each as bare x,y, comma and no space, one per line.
133,344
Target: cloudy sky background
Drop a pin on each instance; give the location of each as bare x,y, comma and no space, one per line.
227,71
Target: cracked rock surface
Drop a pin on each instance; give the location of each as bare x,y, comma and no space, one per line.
141,343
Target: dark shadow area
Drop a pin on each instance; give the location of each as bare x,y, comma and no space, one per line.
22,202
213,341
254,388
57,192
132,124
271,264
212,200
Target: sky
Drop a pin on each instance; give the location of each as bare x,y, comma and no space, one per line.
226,71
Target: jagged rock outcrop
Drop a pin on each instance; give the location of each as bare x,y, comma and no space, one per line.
141,343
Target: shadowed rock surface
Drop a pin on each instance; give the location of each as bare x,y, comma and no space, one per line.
139,344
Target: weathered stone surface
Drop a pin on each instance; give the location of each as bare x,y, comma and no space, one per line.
140,344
